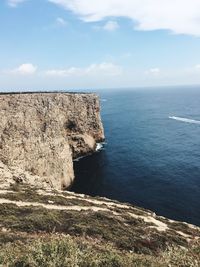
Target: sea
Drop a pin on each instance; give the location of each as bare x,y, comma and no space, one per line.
151,155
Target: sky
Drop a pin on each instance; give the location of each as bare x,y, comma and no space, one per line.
71,44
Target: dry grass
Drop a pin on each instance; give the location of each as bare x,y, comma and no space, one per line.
35,236
60,251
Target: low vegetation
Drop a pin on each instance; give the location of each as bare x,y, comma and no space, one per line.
60,251
37,230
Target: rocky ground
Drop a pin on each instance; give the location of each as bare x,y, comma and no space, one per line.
43,227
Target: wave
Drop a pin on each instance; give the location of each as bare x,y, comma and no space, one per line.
100,146
77,159
184,119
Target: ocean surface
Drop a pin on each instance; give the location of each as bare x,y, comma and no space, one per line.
152,153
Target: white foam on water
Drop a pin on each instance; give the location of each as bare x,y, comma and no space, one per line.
184,119
99,146
79,158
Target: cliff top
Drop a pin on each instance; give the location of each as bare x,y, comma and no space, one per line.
39,226
45,92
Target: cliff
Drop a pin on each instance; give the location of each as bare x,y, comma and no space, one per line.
40,225
41,133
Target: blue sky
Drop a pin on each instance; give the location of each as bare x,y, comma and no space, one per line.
69,44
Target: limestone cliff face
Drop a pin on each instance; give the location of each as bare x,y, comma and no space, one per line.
41,133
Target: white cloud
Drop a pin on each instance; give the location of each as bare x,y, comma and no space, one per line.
197,67
105,69
153,71
24,69
178,16
61,22
64,72
15,3
111,26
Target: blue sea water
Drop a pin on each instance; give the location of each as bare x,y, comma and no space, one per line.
152,153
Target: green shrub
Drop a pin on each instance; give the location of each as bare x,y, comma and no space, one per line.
65,251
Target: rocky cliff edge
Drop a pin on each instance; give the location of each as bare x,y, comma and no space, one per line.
41,133
42,226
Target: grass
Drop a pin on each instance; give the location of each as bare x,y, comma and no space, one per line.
102,225
61,251
31,196
35,236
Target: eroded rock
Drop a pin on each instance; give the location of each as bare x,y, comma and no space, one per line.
41,133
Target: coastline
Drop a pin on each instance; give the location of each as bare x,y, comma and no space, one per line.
35,213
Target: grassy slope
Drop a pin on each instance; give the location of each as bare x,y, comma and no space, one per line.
99,233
